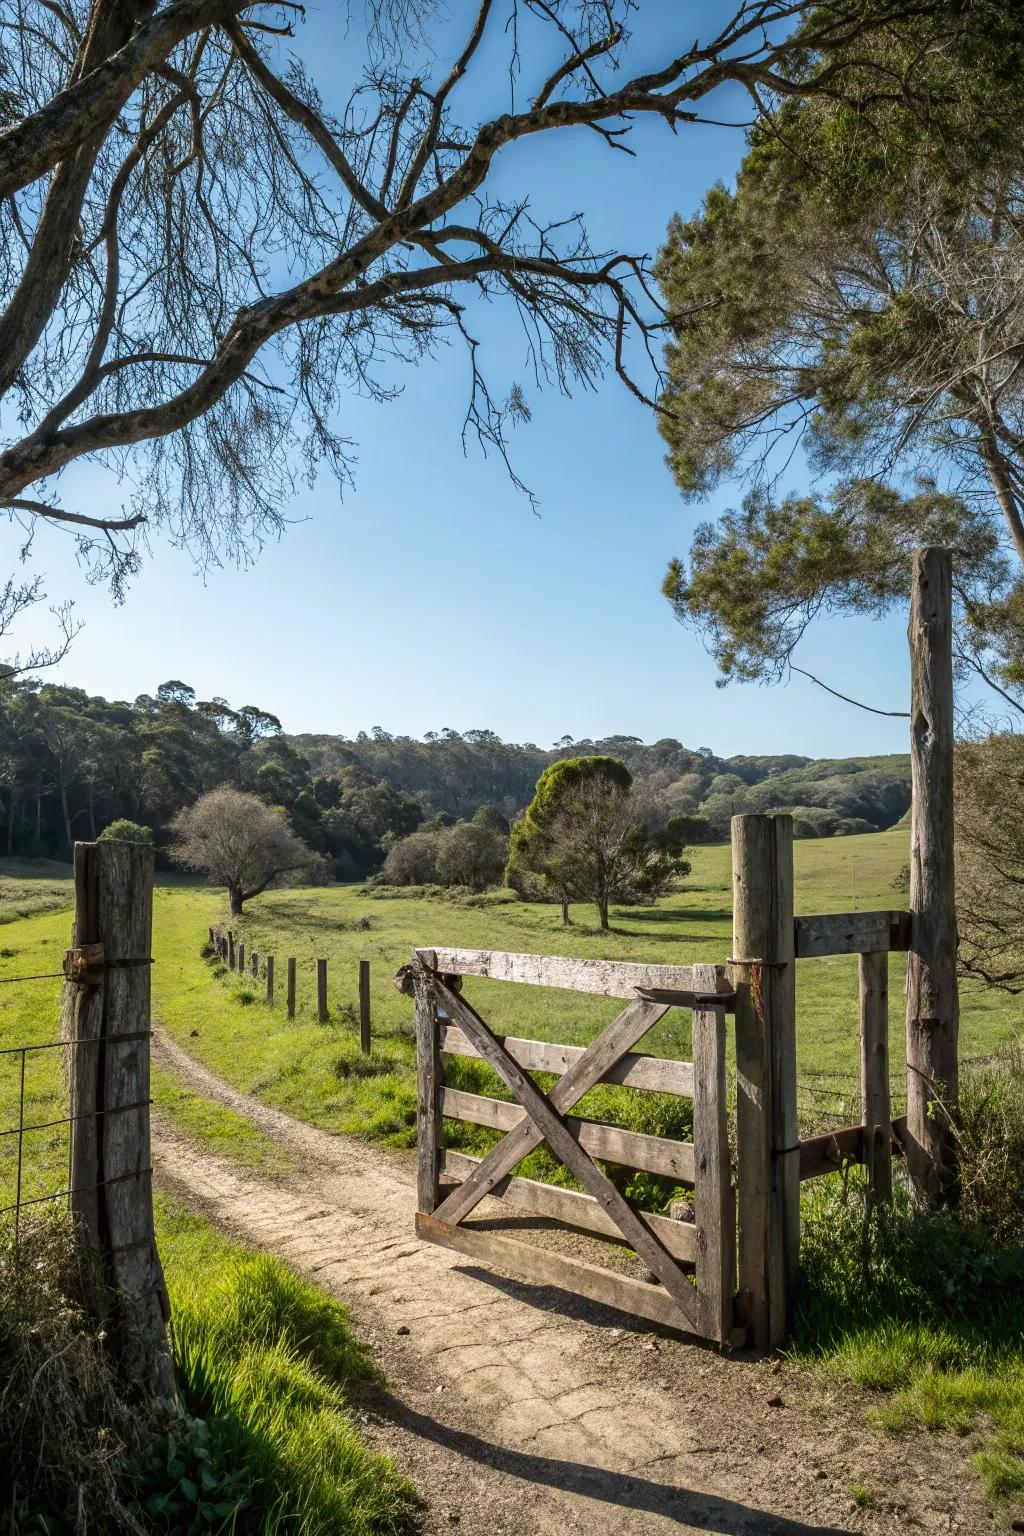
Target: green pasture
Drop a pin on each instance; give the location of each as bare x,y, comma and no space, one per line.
316,1071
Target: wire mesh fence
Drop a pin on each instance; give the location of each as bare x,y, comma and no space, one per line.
38,1116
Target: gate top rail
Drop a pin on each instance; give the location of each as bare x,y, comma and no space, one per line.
692,984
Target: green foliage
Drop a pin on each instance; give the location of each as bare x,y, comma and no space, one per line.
850,296
124,831
923,1307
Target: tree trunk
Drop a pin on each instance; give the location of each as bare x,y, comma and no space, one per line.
602,907
67,813
235,893
566,919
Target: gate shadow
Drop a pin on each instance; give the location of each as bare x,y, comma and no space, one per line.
626,1490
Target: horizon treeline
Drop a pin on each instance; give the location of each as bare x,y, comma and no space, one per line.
72,762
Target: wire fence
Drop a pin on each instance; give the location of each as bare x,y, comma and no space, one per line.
55,1088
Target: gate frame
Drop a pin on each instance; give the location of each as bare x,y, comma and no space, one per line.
662,1243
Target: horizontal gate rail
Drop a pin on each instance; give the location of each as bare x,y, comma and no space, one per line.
851,933
574,1209
608,978
669,1248
630,1149
652,1074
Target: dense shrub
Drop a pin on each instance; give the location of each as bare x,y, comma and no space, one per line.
125,831
991,1150
469,854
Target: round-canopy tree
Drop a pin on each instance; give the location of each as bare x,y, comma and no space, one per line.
239,843
584,837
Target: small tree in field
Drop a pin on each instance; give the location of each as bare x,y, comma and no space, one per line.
585,837
240,843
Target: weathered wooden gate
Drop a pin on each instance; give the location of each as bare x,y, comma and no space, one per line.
694,1262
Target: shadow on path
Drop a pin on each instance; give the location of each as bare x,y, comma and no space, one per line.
627,1490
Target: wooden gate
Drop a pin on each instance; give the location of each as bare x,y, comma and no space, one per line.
694,1262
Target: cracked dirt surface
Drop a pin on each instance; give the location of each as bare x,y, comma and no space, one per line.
517,1409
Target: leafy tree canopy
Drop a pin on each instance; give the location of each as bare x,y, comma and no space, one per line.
861,293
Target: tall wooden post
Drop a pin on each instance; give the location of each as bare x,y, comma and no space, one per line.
231,950
291,986
111,1162
270,981
933,1008
364,1007
241,959
429,1081
763,969
321,991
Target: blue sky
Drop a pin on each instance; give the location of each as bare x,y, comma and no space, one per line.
433,596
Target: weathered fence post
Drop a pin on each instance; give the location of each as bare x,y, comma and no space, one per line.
364,1007
270,981
241,959
763,969
231,950
111,1163
875,1102
321,991
429,1079
933,1010
254,964
291,987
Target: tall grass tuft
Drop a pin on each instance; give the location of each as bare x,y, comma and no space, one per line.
273,1359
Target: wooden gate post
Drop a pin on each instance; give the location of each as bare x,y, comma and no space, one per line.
364,1007
763,970
111,1162
321,991
933,1009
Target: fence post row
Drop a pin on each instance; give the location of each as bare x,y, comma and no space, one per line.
111,1163
768,1154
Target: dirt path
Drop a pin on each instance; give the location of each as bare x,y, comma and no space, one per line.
518,1410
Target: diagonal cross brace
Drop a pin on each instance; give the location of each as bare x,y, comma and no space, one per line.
547,1125
611,1044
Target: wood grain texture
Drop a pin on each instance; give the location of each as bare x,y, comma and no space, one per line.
114,883
714,1200
542,1267
933,1010
630,1149
429,1094
623,1032
565,1146
875,1100
851,933
573,1208
766,1121
649,1073
607,978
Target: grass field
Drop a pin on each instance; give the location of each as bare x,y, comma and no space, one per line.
316,1071
938,1372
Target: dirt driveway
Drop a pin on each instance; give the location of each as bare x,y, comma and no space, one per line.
519,1411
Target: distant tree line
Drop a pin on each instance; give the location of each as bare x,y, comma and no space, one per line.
71,763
